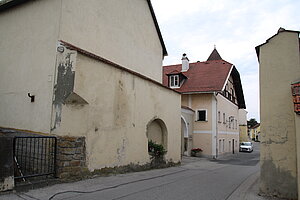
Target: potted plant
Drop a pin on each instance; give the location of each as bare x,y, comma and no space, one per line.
196,152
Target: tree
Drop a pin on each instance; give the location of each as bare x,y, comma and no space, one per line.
252,122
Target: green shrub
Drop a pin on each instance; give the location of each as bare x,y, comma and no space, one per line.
156,150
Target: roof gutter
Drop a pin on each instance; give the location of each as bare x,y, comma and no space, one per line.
209,92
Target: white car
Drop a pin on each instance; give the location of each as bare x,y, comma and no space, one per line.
246,146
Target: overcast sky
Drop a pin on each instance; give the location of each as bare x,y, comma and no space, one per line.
236,27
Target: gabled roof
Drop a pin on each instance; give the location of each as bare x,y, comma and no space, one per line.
207,77
165,53
214,55
11,3
257,48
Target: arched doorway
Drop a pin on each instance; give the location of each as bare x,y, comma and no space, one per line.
184,137
157,132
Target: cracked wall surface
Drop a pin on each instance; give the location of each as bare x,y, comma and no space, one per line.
279,67
114,122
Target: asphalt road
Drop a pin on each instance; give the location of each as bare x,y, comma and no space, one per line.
196,178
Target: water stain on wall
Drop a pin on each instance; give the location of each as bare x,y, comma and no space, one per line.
284,185
64,84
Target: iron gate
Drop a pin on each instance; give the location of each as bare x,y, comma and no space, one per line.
34,156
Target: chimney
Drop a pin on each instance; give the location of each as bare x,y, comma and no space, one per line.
185,63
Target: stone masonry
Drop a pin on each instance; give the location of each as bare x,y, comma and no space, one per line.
71,157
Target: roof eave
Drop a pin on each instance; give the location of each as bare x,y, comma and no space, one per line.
199,92
228,75
238,88
257,48
165,53
10,4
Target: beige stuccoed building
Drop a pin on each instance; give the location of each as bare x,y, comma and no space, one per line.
89,69
279,64
243,125
212,94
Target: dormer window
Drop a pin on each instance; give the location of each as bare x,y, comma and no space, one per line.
174,81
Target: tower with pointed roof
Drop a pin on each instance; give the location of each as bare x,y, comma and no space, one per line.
214,55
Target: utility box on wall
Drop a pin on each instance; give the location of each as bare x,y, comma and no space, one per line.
296,97
6,164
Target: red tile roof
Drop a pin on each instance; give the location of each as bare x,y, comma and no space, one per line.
209,76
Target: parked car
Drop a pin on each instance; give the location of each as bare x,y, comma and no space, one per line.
246,146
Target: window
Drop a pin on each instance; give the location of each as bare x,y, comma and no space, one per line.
224,118
219,116
201,115
223,145
174,81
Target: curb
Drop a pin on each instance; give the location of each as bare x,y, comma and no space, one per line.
247,190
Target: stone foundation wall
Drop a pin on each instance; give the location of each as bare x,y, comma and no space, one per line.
71,157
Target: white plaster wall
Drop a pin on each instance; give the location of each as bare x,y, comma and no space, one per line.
120,105
120,31
230,109
27,58
224,131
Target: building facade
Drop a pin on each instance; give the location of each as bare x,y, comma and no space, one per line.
243,125
279,67
212,89
89,74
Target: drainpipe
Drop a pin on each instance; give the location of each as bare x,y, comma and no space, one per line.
214,125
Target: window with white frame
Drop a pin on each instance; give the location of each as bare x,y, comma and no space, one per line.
201,115
174,81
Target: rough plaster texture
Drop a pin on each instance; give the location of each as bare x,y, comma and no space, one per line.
279,67
27,60
108,106
124,33
114,122
121,31
157,132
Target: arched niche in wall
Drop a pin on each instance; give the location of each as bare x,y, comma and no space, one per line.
157,132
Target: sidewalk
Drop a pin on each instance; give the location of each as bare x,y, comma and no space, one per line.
247,190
